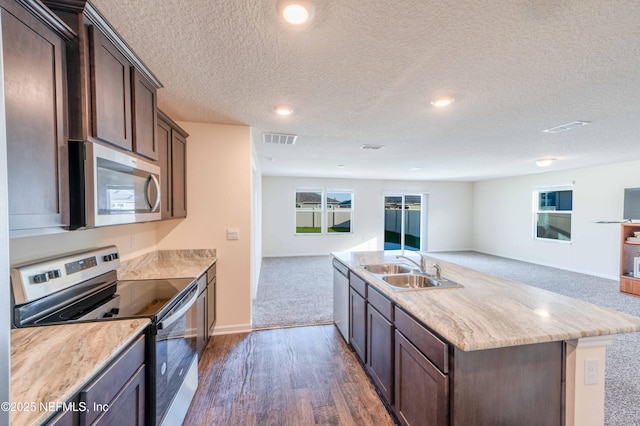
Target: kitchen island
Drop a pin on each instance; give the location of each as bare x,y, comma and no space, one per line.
500,349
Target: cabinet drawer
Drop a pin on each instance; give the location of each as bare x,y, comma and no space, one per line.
108,385
432,347
381,303
211,273
358,284
340,267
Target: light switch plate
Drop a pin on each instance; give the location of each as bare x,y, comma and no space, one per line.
233,234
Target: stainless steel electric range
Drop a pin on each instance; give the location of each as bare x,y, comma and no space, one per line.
83,286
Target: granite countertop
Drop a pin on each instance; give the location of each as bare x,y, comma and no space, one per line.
168,264
51,364
491,312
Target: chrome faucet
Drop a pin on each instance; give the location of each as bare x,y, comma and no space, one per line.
423,261
423,265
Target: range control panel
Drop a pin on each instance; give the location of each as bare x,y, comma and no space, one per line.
38,279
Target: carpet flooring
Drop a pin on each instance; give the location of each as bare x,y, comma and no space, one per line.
294,291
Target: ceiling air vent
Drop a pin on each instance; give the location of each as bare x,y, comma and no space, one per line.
566,126
373,147
279,138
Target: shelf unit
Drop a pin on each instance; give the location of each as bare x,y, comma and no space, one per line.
628,250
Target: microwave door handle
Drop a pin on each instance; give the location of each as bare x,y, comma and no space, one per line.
156,203
177,314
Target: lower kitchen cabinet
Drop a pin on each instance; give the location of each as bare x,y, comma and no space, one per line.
119,390
117,396
201,312
421,390
358,323
380,336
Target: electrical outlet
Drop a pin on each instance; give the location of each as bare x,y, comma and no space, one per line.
591,368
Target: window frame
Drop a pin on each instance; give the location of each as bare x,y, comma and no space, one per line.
537,211
323,210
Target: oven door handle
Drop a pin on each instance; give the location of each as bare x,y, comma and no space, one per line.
180,312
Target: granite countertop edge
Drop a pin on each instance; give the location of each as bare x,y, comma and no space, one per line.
190,263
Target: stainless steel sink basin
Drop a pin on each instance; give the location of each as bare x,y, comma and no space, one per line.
387,268
416,282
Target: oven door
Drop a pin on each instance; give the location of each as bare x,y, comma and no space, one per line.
176,360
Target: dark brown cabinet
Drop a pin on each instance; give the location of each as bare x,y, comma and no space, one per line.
110,92
144,116
34,70
421,390
380,349
172,147
358,323
119,392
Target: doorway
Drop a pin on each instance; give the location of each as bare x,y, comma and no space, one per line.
404,222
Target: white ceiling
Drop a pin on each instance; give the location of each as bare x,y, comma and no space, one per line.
364,71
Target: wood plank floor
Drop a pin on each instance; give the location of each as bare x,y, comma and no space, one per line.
291,376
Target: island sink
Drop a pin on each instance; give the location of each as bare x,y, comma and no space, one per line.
387,268
417,282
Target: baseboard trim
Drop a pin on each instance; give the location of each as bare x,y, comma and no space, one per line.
296,255
231,329
551,265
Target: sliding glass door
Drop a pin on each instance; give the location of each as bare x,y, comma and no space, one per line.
403,222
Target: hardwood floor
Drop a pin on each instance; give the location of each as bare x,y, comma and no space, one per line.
290,376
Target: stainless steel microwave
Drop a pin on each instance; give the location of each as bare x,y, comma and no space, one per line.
110,187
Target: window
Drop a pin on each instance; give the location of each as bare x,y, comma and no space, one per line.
309,212
339,213
320,212
552,213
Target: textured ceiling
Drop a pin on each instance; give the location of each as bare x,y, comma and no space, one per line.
364,72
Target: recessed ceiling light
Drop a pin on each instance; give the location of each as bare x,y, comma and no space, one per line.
296,12
415,169
545,162
282,110
341,166
442,101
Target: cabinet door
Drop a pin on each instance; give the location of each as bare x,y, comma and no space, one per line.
358,323
211,305
164,161
34,95
128,407
421,390
110,92
178,175
144,116
380,352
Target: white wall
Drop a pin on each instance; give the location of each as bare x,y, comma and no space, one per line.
503,218
219,198
450,215
256,220
144,241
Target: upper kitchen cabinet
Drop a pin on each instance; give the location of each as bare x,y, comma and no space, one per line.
34,74
112,94
172,147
